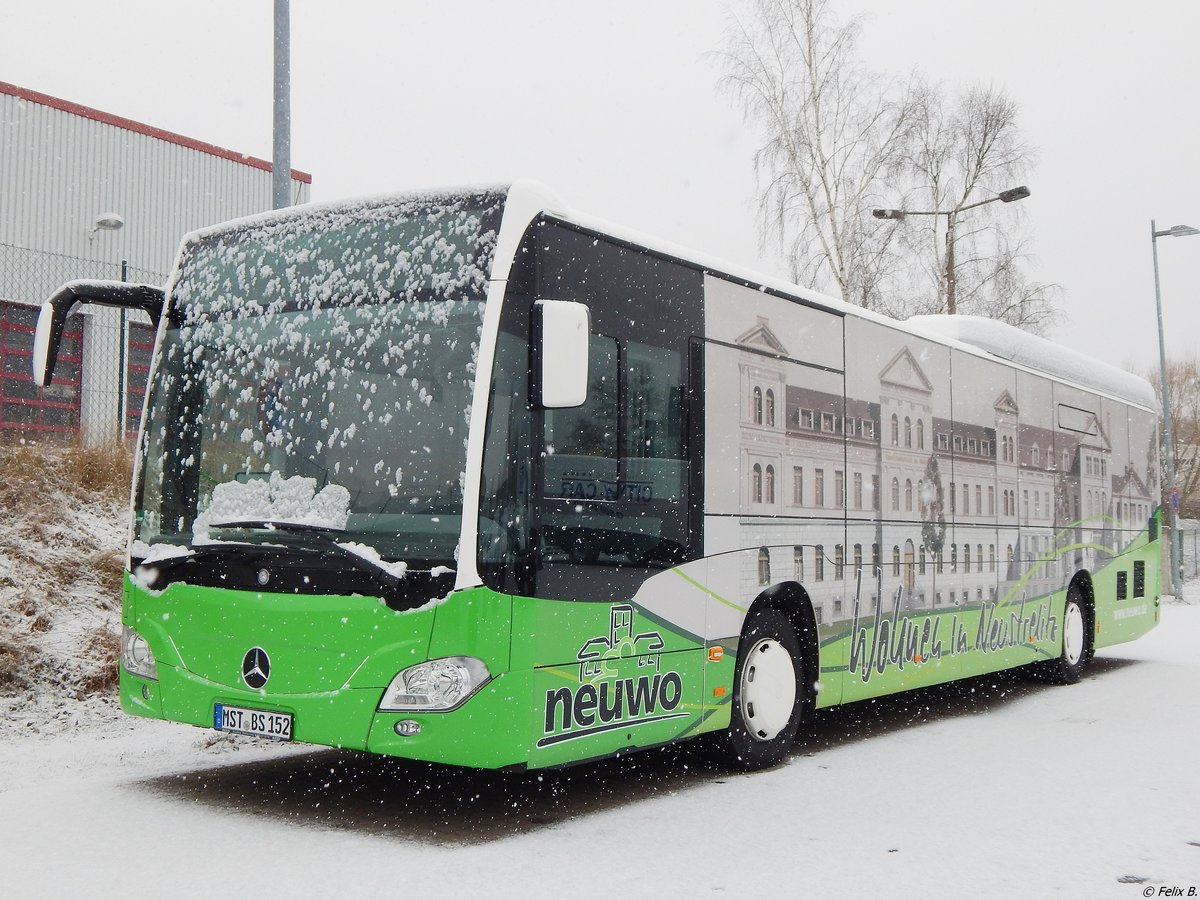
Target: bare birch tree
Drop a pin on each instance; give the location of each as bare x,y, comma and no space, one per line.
835,137
839,140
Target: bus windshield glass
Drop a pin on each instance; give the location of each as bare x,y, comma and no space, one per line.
317,370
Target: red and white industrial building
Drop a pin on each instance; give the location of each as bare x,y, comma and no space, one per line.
68,175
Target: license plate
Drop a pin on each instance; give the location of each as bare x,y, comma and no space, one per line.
274,725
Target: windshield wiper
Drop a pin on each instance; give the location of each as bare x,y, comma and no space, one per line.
324,534
205,552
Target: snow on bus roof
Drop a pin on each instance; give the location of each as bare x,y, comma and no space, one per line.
347,206
1037,353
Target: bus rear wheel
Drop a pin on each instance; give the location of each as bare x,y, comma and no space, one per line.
768,694
1076,645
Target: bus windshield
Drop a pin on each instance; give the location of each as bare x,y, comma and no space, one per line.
317,369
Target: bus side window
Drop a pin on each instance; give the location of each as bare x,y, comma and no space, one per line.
580,444
626,508
652,420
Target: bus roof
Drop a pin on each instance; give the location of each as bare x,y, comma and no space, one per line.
972,333
1035,352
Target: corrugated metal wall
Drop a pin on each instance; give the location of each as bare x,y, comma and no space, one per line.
59,170
62,166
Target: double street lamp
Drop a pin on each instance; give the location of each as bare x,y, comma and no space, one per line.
1176,534
1017,193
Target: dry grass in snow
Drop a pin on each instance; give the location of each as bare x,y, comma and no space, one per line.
63,515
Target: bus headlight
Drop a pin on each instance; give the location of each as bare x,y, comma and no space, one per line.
435,686
135,654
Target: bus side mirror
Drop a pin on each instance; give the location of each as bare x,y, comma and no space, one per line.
53,317
48,337
561,336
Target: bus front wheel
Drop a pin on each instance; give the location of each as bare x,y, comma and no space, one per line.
768,695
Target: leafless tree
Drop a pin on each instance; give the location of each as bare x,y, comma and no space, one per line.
839,140
1183,378
835,138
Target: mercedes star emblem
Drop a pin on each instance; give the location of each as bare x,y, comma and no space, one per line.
256,668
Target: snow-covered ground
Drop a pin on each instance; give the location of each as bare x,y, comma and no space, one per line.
998,787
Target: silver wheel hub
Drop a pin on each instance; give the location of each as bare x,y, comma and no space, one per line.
1072,633
767,689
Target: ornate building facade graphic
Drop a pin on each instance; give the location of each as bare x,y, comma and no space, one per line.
951,501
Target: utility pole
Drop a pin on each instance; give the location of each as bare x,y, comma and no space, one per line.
281,159
123,328
1172,495
951,278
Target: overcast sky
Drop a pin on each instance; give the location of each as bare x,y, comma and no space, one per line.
614,105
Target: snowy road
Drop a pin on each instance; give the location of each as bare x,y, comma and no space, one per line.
998,787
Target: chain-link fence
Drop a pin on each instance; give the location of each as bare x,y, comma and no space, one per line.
100,379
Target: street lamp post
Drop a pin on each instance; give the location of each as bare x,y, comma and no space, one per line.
1017,193
1168,436
112,221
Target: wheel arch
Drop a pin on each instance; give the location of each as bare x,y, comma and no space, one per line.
792,600
1082,588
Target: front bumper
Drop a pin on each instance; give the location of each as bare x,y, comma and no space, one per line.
482,733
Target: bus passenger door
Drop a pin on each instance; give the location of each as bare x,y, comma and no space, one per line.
614,643
617,631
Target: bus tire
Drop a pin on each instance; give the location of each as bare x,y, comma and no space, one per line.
768,694
1076,645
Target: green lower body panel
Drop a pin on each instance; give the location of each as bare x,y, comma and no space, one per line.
625,681
634,702
570,681
544,717
895,649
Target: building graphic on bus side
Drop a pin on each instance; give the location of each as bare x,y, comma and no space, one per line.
951,511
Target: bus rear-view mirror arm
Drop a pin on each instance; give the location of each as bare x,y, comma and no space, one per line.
55,311
561,334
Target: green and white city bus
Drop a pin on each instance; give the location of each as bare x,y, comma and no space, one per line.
474,478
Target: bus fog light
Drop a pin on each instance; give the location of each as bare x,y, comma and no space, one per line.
435,686
135,654
407,728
